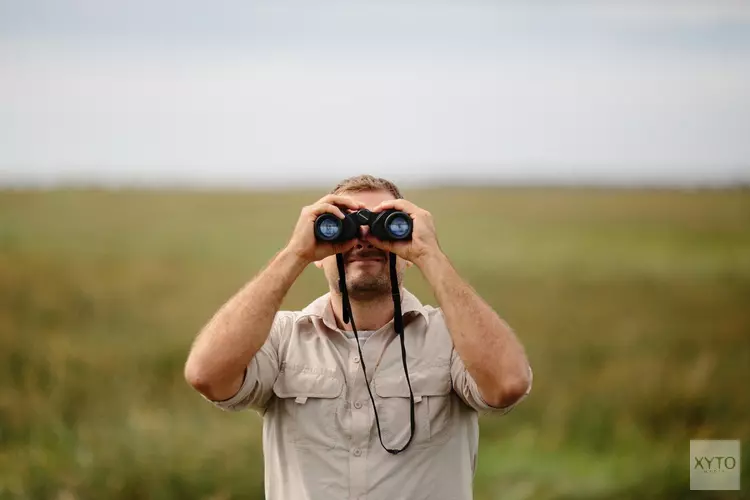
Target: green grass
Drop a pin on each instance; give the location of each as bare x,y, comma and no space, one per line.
634,306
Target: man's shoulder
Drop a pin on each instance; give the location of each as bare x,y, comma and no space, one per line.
285,318
434,326
316,307
434,313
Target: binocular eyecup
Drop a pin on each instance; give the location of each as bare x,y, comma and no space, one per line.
388,225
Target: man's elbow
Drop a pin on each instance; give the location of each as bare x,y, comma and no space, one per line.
214,386
196,375
511,388
199,374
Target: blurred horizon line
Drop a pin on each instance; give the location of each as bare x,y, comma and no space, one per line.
616,177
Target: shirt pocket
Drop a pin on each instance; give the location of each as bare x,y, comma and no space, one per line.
310,405
431,387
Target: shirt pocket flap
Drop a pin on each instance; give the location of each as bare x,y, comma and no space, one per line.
432,382
306,384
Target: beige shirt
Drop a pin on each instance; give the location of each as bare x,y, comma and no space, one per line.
320,440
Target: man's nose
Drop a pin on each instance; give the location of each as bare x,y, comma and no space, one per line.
361,241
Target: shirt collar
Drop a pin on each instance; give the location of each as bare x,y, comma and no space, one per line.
321,308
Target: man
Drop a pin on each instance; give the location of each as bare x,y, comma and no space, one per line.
301,370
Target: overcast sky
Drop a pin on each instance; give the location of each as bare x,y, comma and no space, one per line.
264,93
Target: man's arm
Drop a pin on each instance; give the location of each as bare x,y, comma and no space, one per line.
492,354
489,349
225,346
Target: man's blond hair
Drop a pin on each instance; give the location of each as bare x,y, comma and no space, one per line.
366,182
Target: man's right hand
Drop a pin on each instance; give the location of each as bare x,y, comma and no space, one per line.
303,242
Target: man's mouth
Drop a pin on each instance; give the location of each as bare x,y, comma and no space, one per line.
367,258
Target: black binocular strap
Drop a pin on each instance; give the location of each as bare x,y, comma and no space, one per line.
345,306
398,325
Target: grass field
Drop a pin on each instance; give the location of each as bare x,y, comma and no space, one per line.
634,306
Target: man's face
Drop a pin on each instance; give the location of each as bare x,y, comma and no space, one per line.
367,267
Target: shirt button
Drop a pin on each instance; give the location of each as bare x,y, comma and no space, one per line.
358,404
356,359
357,452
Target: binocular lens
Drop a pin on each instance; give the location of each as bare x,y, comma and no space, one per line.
399,226
329,228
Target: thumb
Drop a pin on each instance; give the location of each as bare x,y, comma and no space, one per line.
383,245
345,246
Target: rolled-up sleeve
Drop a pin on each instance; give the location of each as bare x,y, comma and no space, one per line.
260,374
466,388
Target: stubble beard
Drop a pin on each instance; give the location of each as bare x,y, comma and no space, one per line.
368,287
365,287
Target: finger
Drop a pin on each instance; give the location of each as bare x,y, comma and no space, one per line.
342,200
399,204
322,208
334,248
378,243
345,246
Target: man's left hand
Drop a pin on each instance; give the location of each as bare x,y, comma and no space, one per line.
423,243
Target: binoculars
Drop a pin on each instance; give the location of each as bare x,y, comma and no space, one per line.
386,225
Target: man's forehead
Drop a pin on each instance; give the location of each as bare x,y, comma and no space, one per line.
371,199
